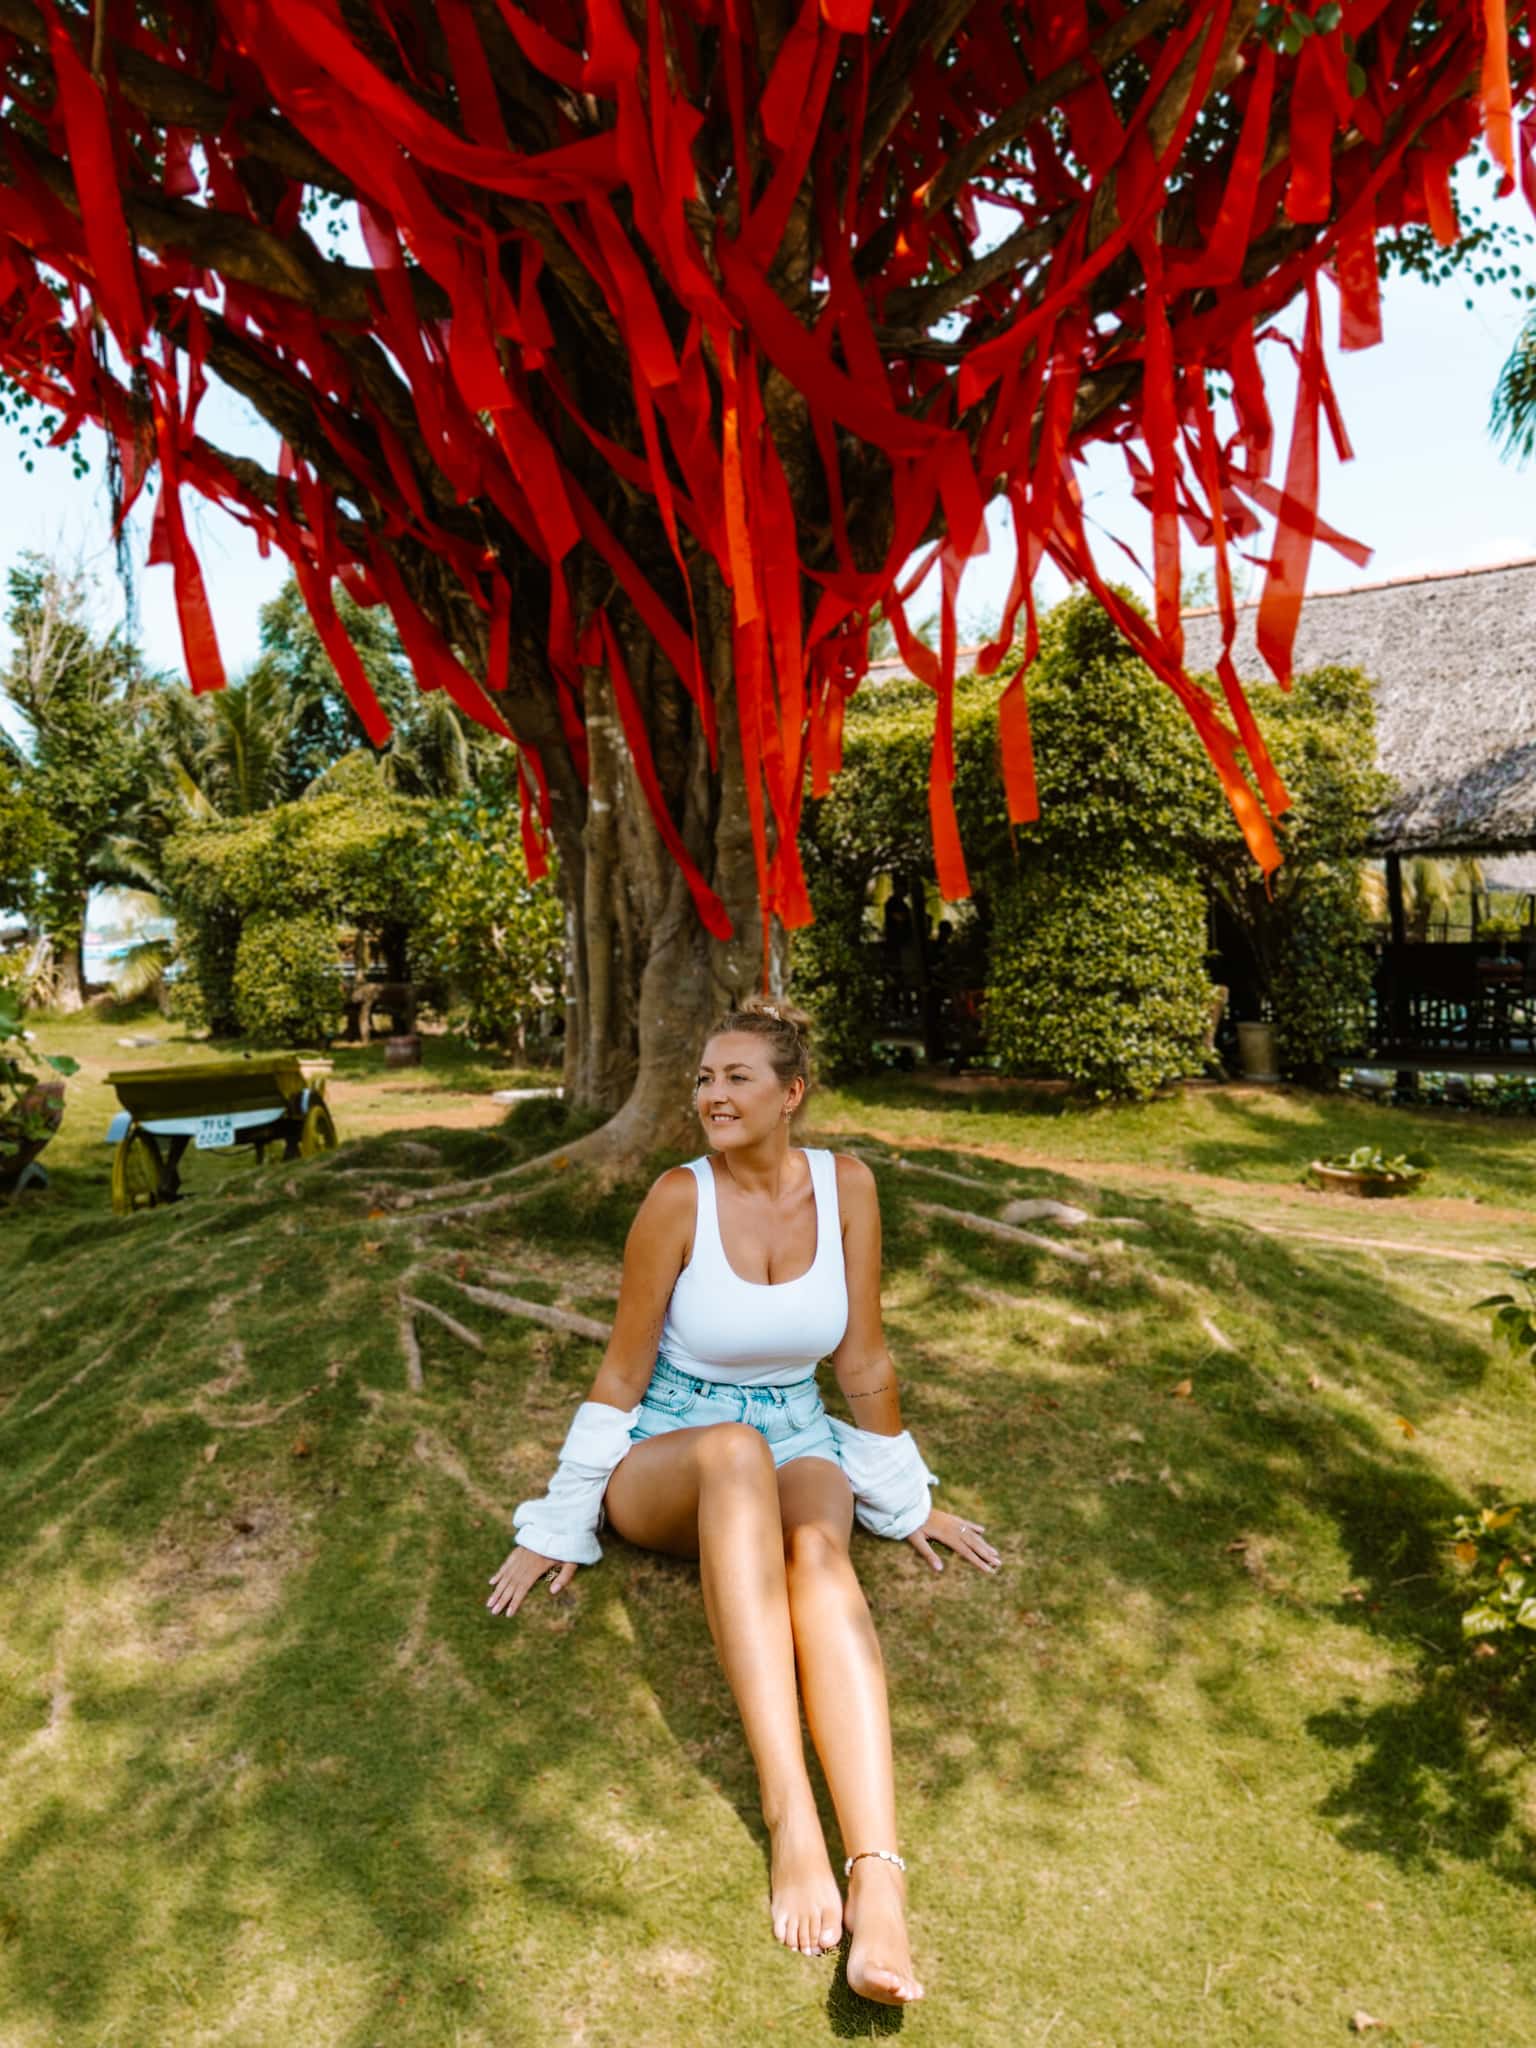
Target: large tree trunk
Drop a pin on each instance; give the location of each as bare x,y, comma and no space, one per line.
69,972
645,980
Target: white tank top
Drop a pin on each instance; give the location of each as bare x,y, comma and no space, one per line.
723,1328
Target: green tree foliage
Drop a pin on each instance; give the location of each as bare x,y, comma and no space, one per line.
1098,973
432,750
495,937
84,761
25,835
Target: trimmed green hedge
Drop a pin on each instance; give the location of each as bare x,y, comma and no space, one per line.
1098,975
287,979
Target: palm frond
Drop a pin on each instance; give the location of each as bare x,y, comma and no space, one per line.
1512,415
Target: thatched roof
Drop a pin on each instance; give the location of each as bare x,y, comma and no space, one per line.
1453,659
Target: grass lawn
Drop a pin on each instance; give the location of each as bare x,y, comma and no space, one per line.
1205,1765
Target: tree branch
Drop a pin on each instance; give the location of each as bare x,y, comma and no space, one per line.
890,91
183,101
1122,36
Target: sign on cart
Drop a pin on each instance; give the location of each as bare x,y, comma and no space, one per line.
213,1131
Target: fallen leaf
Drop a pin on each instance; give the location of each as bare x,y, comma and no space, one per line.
1484,1650
1353,1593
1362,2023
376,1212
1183,1390
1240,1543
1375,1905
1406,1426
461,1268
1467,1553
1499,1519
372,1245
561,1163
1121,1476
300,1448
1314,1381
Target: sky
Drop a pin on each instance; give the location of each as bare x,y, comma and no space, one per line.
1426,491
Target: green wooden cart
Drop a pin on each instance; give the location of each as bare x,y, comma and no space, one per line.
259,1100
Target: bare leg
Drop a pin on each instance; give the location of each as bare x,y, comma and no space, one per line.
842,1678
710,1493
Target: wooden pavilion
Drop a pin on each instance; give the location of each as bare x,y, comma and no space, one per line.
1453,662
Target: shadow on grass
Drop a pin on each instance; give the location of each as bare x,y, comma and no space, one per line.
300,1716
1250,1140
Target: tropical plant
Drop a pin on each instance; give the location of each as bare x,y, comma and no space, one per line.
1370,1162
1512,415
1496,1552
21,1122
1514,1315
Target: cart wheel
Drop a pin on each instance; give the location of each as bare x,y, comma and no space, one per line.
318,1133
136,1173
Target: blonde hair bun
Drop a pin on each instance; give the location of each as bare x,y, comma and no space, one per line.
786,1028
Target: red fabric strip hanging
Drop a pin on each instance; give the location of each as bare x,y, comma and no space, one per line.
93,165
1285,585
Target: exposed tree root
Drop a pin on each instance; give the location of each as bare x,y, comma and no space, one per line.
534,1311
73,1381
441,1315
1008,1232
611,1149
411,1348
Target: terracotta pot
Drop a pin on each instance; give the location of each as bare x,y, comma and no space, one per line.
1342,1180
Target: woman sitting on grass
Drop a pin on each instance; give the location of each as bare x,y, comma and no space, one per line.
748,1267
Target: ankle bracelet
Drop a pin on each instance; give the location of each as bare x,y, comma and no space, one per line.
885,1856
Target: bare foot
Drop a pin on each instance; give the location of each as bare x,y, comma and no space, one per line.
879,1960
806,1905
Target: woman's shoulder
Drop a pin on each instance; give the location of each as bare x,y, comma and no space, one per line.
674,1187
664,1220
671,1197
853,1177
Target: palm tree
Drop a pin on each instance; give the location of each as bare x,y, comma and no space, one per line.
1512,416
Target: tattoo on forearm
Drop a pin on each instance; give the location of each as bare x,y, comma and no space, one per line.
869,1393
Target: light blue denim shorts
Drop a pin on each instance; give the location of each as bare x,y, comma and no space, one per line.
791,1418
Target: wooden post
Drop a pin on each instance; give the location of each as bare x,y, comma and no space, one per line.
1395,910
1397,1001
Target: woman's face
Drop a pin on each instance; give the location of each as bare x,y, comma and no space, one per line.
740,1099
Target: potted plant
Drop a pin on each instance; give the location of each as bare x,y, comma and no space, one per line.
1369,1171
31,1110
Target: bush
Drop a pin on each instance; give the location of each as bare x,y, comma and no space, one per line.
1322,973
496,937
1098,975
835,973
287,979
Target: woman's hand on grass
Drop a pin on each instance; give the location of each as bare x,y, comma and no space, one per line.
963,1538
520,1573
